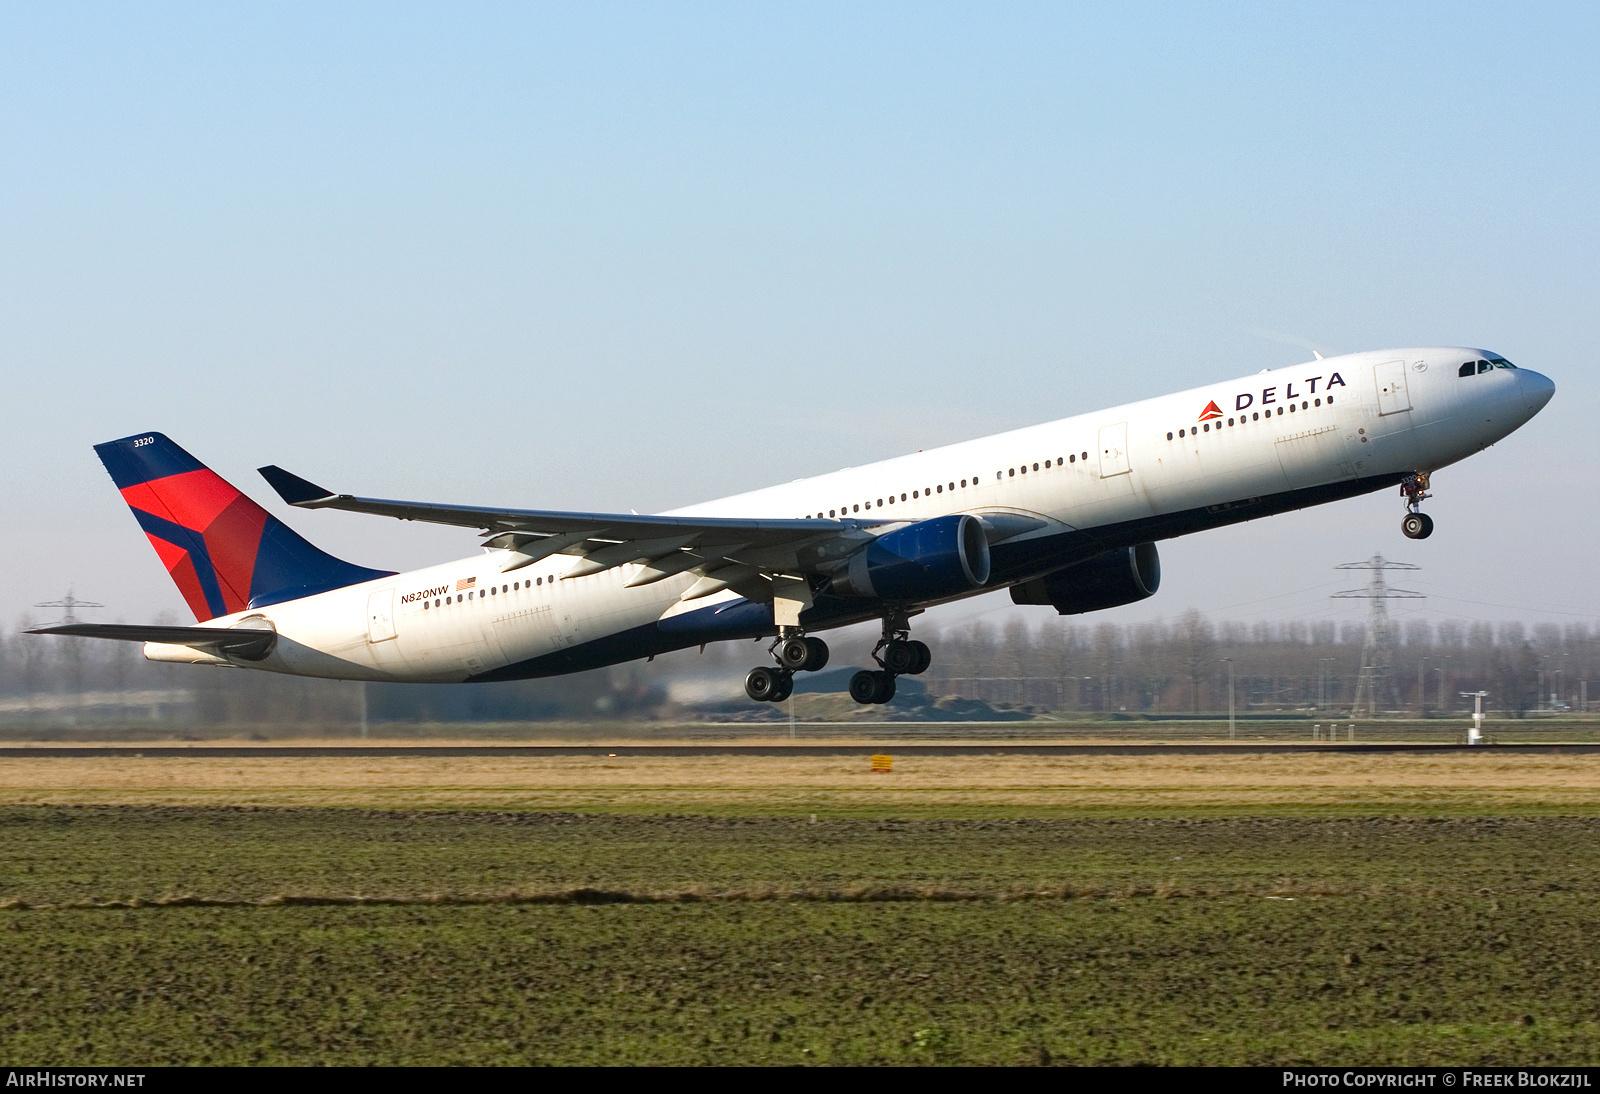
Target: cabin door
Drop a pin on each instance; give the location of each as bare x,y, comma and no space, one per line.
1393,396
380,615
1114,450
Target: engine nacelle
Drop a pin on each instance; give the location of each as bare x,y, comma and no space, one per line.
1105,581
924,561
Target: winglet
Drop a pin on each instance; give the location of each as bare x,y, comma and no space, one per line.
292,488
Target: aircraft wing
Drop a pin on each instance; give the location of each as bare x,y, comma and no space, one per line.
244,641
748,555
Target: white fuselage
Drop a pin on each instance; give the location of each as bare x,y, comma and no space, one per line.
1356,419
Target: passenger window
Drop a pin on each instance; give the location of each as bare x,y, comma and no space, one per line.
1230,421
1072,459
1319,402
1036,467
855,508
424,605
1181,433
1047,465
1012,472
1256,417
1169,436
1291,408
1086,455
915,494
963,484
940,489
902,497
952,486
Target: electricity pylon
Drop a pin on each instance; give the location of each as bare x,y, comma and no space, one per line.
1376,684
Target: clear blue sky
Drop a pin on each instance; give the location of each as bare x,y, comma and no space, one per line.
641,255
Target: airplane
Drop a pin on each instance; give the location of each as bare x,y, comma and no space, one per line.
1065,514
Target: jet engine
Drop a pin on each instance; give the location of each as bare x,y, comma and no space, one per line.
923,561
1105,581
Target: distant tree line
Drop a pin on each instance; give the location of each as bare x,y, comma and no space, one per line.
1182,666
1173,668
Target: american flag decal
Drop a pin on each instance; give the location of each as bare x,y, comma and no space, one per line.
466,583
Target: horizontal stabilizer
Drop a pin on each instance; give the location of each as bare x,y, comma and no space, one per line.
247,642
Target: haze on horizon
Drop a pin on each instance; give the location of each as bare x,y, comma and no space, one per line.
639,256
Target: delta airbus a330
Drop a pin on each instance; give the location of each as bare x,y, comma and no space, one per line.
1065,514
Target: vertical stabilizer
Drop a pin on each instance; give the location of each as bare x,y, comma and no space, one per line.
224,552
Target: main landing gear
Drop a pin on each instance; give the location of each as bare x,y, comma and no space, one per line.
794,653
898,654
1416,524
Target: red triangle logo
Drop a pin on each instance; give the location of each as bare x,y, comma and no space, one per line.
1211,411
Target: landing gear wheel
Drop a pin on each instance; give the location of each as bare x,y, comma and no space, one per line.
900,657
818,656
924,657
793,653
766,685
1417,526
867,686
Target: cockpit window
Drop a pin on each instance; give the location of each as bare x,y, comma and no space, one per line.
1474,367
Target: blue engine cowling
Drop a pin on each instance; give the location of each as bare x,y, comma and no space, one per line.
928,560
1105,581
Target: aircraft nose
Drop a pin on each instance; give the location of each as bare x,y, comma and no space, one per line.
1536,389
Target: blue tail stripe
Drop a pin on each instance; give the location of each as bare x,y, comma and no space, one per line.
195,544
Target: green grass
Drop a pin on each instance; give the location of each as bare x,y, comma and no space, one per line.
1184,941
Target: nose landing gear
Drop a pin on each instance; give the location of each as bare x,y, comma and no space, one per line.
897,654
1416,524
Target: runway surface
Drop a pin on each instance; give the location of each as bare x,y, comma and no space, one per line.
799,748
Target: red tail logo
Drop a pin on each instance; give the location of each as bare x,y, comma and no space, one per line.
1211,411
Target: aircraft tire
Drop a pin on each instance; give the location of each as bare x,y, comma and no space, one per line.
785,688
899,657
924,657
885,689
817,657
864,686
762,683
793,653
1417,526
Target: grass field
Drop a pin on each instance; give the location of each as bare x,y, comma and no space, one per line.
1211,910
